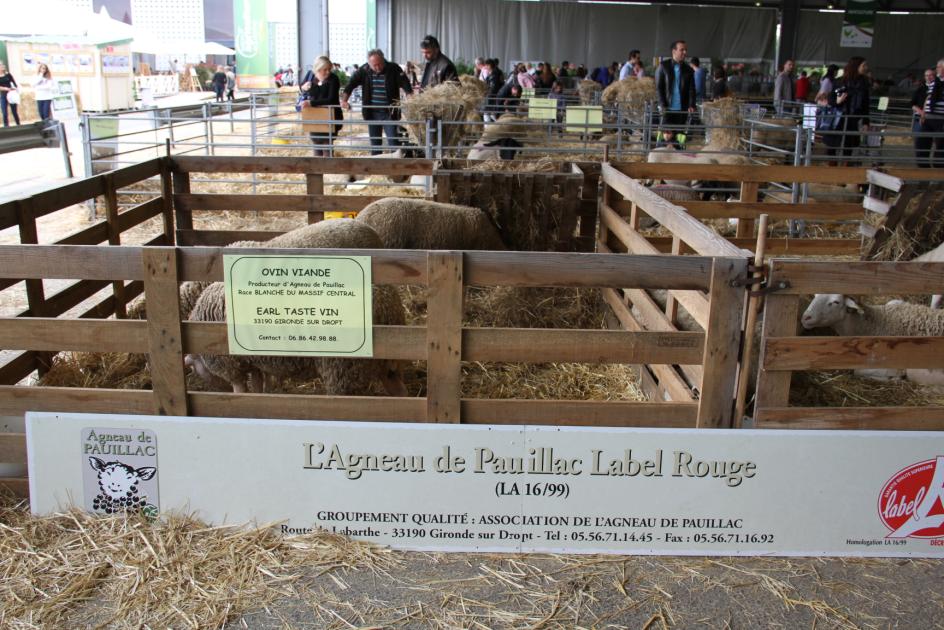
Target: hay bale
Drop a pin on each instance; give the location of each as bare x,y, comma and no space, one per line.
631,95
721,118
473,87
448,102
589,91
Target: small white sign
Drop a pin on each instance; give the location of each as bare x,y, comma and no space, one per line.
299,305
523,488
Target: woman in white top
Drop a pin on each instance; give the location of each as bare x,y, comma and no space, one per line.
45,90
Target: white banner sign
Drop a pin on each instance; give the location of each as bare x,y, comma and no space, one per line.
510,488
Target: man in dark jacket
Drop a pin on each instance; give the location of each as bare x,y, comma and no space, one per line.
380,82
439,69
932,121
675,85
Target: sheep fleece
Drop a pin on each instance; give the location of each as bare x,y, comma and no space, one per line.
903,319
421,224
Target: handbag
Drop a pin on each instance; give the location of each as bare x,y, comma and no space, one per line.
13,97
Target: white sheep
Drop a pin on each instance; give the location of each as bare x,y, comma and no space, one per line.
405,223
499,149
340,376
670,155
896,318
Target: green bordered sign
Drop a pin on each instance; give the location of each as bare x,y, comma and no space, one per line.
542,109
584,119
299,305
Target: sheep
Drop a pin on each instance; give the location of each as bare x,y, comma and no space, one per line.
340,376
500,149
405,223
118,486
676,194
897,318
669,155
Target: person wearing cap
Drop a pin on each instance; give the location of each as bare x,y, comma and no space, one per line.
439,69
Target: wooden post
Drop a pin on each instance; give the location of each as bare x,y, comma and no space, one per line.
114,238
164,335
754,303
182,187
444,336
167,195
314,186
722,342
780,320
35,294
671,304
745,227
443,188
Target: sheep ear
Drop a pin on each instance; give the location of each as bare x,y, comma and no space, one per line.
146,473
96,464
852,305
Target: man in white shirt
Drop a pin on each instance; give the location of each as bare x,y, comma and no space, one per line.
629,68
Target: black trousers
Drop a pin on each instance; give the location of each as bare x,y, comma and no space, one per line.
924,143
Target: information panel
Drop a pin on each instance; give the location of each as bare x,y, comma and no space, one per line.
516,488
299,305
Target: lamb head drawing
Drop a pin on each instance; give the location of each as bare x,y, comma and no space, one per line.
118,483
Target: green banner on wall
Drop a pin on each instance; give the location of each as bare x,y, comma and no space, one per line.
858,24
252,44
371,24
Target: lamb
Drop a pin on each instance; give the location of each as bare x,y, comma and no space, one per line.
897,318
340,376
405,223
118,486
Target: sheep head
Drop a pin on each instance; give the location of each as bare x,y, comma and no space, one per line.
828,309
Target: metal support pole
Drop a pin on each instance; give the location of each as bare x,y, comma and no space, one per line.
439,138
429,139
252,116
64,143
797,226
86,145
208,128
87,159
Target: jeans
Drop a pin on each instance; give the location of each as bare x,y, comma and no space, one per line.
923,144
45,109
380,124
13,108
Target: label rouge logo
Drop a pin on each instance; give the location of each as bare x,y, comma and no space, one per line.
911,502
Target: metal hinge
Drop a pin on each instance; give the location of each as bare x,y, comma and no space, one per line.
766,288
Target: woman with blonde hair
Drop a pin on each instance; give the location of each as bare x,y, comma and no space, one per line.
325,91
44,91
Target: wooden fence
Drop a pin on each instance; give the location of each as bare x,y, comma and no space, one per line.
23,215
314,202
625,202
443,342
783,352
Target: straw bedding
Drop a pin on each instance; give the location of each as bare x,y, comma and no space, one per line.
485,307
73,568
